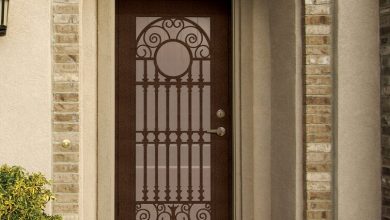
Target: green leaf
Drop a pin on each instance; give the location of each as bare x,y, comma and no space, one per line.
23,196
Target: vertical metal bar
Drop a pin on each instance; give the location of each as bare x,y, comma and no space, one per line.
190,135
201,140
167,190
178,141
156,87
145,132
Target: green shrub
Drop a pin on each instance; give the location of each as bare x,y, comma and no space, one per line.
23,196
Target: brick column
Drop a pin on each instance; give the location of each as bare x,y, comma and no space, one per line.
318,95
65,78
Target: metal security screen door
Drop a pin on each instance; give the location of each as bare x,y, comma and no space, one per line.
173,110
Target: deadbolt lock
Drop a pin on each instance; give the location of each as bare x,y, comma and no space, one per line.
221,113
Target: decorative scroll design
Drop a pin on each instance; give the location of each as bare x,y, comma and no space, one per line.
180,211
182,30
173,90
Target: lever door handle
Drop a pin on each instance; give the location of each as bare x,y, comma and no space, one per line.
221,131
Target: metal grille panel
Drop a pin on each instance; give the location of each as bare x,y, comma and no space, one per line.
173,97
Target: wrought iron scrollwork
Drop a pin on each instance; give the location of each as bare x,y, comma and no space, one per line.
204,213
182,211
178,29
142,213
157,40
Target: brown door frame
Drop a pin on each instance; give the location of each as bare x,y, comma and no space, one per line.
252,185
123,175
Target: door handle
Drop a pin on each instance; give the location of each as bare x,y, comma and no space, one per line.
221,131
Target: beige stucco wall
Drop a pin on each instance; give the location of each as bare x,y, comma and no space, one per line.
88,111
252,107
25,85
286,110
106,109
261,107
358,111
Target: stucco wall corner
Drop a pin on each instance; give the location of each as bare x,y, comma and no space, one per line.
358,117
